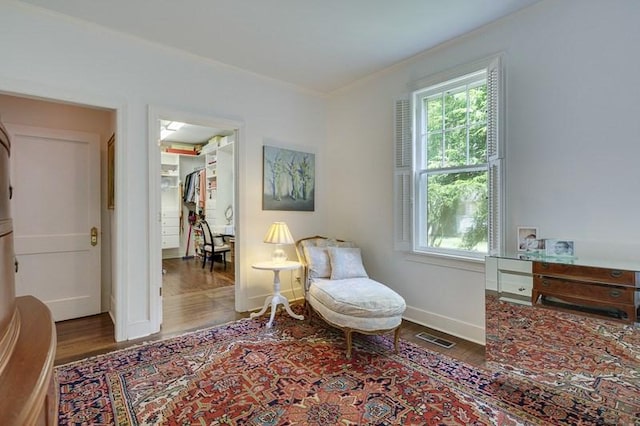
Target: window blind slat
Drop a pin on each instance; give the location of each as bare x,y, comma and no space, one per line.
402,190
495,207
403,134
494,89
495,154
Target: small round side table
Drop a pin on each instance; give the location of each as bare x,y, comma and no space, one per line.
276,298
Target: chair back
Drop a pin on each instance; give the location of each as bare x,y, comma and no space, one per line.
206,233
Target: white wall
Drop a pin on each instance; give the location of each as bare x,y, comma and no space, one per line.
572,123
572,148
47,55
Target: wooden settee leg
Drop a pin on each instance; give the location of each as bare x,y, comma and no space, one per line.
396,338
347,334
308,312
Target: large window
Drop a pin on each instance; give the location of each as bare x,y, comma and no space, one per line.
456,190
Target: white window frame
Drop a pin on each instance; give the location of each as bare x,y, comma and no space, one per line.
408,150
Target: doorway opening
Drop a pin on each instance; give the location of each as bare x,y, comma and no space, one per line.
58,168
197,227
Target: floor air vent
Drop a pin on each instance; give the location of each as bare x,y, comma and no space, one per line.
436,340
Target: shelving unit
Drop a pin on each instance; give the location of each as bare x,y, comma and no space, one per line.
225,180
211,165
170,199
219,163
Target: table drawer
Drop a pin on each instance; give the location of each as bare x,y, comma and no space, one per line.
602,294
522,266
586,273
612,311
515,284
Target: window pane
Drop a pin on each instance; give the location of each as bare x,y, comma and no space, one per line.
434,151
451,208
455,109
456,211
478,144
434,113
456,147
478,104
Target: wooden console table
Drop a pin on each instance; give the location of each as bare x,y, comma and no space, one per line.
595,290
605,289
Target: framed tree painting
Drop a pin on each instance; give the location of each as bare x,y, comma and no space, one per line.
288,179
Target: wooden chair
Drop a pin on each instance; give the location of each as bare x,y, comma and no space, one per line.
213,246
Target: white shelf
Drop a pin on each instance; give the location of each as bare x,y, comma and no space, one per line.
170,200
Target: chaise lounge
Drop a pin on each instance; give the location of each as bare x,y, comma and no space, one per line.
338,289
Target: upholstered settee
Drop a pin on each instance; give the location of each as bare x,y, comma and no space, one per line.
339,290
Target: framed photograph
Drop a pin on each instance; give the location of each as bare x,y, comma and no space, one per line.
111,162
288,179
528,238
559,248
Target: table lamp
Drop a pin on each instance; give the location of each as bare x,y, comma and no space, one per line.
278,234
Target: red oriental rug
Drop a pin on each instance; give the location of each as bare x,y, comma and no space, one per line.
296,374
592,359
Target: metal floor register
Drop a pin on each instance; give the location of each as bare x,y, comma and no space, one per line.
436,340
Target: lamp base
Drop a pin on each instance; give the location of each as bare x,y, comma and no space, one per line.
279,256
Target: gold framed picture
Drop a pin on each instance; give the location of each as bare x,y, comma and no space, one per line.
111,162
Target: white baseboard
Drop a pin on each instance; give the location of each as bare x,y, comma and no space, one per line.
112,309
72,307
452,326
138,329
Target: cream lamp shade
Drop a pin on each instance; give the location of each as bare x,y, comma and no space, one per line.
278,234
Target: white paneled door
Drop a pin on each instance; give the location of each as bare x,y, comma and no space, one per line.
55,176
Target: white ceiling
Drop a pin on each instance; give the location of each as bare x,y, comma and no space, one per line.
320,45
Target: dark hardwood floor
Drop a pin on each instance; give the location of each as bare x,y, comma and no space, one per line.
195,298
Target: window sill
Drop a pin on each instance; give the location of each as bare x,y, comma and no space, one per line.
447,261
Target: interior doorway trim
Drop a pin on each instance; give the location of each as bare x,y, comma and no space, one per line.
157,113
119,260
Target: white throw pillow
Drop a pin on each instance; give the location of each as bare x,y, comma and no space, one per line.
331,242
346,263
318,262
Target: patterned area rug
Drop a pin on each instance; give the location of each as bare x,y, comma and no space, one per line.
596,360
296,374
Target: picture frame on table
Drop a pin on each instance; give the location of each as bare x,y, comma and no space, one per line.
559,248
528,238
